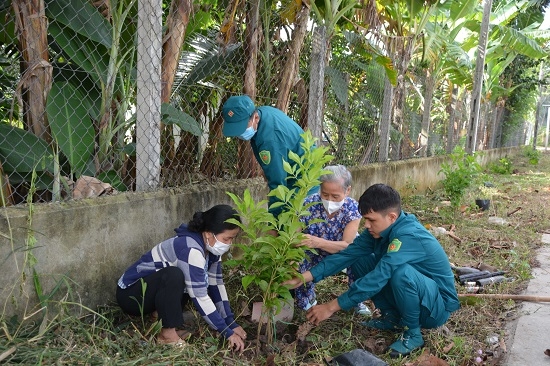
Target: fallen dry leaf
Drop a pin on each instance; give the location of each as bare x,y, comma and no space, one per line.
245,310
448,347
375,345
502,345
487,267
427,359
270,361
87,187
303,330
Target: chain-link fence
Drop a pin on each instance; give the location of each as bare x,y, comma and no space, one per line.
74,81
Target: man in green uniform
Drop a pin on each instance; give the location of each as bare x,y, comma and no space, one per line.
399,265
272,135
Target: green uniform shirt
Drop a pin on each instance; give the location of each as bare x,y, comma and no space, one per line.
406,241
277,135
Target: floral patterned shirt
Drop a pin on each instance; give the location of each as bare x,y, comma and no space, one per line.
333,228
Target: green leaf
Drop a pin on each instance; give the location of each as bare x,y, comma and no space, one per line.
87,54
517,41
83,81
462,8
210,65
338,84
247,280
23,152
82,18
70,124
129,149
391,73
113,179
263,285
287,167
173,116
42,180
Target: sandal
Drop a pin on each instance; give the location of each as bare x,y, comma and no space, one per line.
179,343
184,334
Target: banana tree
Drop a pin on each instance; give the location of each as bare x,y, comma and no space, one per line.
328,14
505,43
445,62
93,53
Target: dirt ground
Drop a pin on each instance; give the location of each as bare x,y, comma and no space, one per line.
502,238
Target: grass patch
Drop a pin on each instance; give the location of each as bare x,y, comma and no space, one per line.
106,336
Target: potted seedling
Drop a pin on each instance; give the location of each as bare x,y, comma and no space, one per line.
268,260
486,191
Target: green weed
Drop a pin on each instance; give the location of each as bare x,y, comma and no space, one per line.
502,166
459,174
533,155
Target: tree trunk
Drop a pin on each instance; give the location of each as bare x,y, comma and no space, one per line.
488,113
211,163
497,125
173,39
426,114
247,166
176,26
36,70
343,126
402,52
478,78
290,69
385,122
317,82
302,97
452,127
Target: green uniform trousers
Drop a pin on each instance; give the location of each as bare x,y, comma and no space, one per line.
409,296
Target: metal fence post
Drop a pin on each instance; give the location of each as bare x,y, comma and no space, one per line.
149,51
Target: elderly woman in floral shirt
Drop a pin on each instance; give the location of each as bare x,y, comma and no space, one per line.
341,221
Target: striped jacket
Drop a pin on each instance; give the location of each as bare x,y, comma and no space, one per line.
203,276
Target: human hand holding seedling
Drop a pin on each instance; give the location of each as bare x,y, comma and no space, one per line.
297,281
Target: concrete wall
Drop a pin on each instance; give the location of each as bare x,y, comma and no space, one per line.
92,241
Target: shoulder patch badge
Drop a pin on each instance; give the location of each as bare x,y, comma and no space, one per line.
265,156
394,246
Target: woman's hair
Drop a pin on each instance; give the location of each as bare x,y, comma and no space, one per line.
380,198
214,220
339,174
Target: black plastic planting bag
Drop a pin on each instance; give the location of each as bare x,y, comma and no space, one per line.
357,357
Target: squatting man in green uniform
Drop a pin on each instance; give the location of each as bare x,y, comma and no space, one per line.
272,135
398,264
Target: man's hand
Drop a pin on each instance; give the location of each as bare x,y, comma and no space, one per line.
318,313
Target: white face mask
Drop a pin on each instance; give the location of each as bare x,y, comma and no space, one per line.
332,206
219,247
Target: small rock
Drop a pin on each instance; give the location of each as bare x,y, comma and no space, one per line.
438,231
497,220
492,339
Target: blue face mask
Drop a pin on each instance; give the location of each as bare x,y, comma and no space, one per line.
248,134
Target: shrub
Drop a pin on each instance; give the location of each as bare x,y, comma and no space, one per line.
503,166
533,155
460,173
